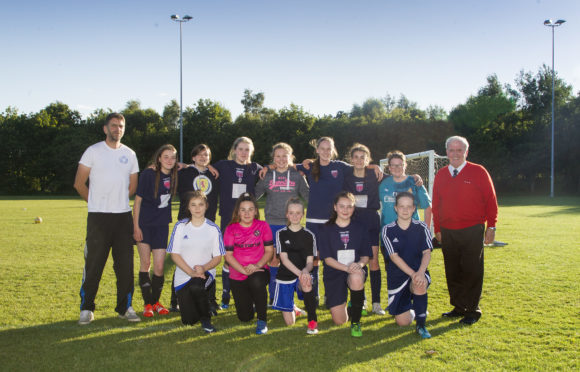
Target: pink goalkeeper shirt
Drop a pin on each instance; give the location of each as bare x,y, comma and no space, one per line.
247,243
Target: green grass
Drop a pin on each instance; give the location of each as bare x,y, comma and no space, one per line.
530,307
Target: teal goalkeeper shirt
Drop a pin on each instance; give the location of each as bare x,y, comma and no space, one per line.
388,190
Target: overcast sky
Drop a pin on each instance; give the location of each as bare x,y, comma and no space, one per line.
322,55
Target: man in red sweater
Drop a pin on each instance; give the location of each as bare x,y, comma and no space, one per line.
464,202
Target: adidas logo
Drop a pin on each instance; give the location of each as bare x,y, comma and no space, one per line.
395,240
185,237
287,242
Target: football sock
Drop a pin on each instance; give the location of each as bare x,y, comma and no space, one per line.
145,284
356,300
420,307
226,286
376,285
310,303
156,288
272,285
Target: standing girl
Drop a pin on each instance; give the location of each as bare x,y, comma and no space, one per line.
151,218
297,248
196,247
249,248
363,184
238,175
279,185
192,178
399,182
344,246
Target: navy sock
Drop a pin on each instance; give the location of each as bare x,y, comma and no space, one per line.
272,285
420,307
156,288
356,300
145,284
225,286
315,283
376,285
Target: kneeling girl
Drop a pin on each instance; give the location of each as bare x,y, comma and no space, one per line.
296,247
196,247
345,248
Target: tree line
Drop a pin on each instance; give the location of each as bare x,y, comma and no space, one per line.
508,127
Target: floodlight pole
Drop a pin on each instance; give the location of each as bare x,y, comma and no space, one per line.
549,23
176,18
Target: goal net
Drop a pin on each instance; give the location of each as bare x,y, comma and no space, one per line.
425,164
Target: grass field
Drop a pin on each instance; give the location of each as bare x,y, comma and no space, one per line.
530,303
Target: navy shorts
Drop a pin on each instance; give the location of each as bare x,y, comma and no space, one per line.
284,295
400,297
335,287
155,236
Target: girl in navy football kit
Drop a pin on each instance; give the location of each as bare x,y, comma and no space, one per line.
363,184
296,247
196,247
279,185
151,218
237,175
408,246
345,248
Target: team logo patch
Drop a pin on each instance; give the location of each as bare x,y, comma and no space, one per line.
359,186
239,172
257,233
202,183
167,183
334,173
344,237
123,159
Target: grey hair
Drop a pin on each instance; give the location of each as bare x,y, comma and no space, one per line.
459,139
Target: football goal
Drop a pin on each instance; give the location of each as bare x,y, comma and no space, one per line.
425,164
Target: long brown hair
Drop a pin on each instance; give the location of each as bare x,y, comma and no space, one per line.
236,213
316,164
157,163
340,195
358,147
197,194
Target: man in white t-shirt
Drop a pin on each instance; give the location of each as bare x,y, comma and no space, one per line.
111,169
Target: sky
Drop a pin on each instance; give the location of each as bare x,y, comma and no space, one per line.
322,55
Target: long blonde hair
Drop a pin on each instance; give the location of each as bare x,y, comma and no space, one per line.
232,154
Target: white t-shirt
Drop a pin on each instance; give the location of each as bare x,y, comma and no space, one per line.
197,245
109,178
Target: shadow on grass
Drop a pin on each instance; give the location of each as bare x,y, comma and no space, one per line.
109,343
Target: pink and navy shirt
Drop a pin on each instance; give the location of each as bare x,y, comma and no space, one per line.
247,244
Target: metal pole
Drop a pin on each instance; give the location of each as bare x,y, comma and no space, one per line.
552,151
180,96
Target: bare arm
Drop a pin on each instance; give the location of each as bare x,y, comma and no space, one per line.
133,179
335,264
81,179
268,252
418,180
137,233
233,262
428,216
289,265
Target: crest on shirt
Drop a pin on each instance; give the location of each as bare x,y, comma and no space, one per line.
123,159
167,183
202,183
359,186
344,238
239,174
334,173
257,233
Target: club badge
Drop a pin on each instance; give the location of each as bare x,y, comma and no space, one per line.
334,173
359,186
202,183
344,238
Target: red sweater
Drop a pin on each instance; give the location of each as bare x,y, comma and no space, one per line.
464,201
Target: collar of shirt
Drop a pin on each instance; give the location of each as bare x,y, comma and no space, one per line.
458,168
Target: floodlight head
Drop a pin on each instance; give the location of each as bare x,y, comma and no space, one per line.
187,18
175,17
547,22
560,21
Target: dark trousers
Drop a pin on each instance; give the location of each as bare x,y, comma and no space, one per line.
108,232
249,293
463,258
193,301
